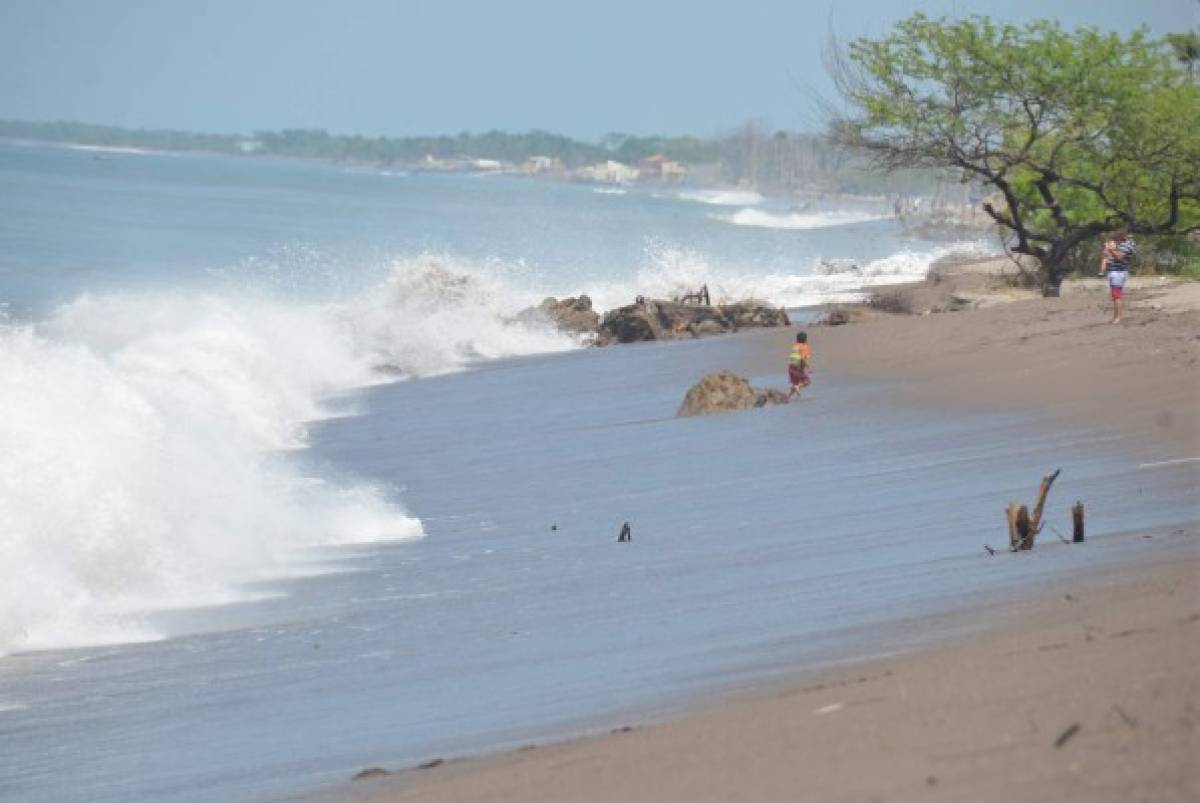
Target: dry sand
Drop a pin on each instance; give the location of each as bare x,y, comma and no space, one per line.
1088,692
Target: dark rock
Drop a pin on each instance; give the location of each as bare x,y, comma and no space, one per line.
630,324
652,319
725,391
370,772
762,398
570,314
836,317
833,267
746,314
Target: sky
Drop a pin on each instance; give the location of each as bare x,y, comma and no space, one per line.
409,67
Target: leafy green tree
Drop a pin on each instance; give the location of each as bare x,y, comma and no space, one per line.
1186,49
1079,132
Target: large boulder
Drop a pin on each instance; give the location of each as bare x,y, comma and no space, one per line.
723,392
746,314
652,319
570,314
630,324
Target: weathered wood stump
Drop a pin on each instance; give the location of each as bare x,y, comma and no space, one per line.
1077,523
1022,527
1020,535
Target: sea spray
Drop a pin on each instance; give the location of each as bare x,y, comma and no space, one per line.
668,272
722,197
146,437
797,220
434,314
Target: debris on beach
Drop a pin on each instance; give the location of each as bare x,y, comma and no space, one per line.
1022,527
370,772
723,392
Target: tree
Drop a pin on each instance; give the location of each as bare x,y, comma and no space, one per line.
1079,133
1186,49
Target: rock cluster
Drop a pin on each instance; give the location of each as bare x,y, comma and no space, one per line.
652,319
570,314
725,391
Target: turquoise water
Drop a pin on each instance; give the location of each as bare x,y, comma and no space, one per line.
249,568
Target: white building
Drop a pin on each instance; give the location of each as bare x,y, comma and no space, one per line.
610,172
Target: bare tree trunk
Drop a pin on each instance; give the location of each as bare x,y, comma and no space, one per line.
1023,528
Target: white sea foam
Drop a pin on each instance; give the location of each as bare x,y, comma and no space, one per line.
723,197
609,191
124,149
761,218
669,272
145,439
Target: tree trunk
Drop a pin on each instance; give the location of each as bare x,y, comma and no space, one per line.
1020,534
1043,491
1053,270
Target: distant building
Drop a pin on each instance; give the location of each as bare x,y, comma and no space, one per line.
542,164
659,168
610,172
488,164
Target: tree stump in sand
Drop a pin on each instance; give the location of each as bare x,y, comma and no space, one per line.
1077,522
1019,534
1022,527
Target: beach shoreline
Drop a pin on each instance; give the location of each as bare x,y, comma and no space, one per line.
1084,692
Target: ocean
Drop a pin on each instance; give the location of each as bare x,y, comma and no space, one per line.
289,490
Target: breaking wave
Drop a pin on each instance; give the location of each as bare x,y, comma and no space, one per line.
723,197
147,437
797,220
669,272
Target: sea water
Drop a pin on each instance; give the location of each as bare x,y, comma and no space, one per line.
289,491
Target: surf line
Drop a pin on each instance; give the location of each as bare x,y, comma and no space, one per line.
1174,462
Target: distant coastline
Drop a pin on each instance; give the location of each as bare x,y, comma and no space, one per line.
750,158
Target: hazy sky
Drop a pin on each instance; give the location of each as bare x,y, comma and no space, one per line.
412,67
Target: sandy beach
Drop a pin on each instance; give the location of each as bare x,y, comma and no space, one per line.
1084,691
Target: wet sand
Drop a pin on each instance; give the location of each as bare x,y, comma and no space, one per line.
1091,694
1088,691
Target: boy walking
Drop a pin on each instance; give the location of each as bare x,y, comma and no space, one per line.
798,365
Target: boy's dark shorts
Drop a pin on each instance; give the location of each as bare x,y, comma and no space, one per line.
797,376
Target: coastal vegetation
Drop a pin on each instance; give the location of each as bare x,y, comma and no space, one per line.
1077,133
752,154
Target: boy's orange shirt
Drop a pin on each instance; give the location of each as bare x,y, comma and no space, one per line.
801,353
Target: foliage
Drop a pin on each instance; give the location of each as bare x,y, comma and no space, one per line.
1186,49
320,144
1079,132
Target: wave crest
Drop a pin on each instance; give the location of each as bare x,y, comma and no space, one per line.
761,218
723,197
145,439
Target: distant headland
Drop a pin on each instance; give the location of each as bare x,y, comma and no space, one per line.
751,155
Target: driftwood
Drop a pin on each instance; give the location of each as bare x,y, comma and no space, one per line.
699,297
1022,527
1077,522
